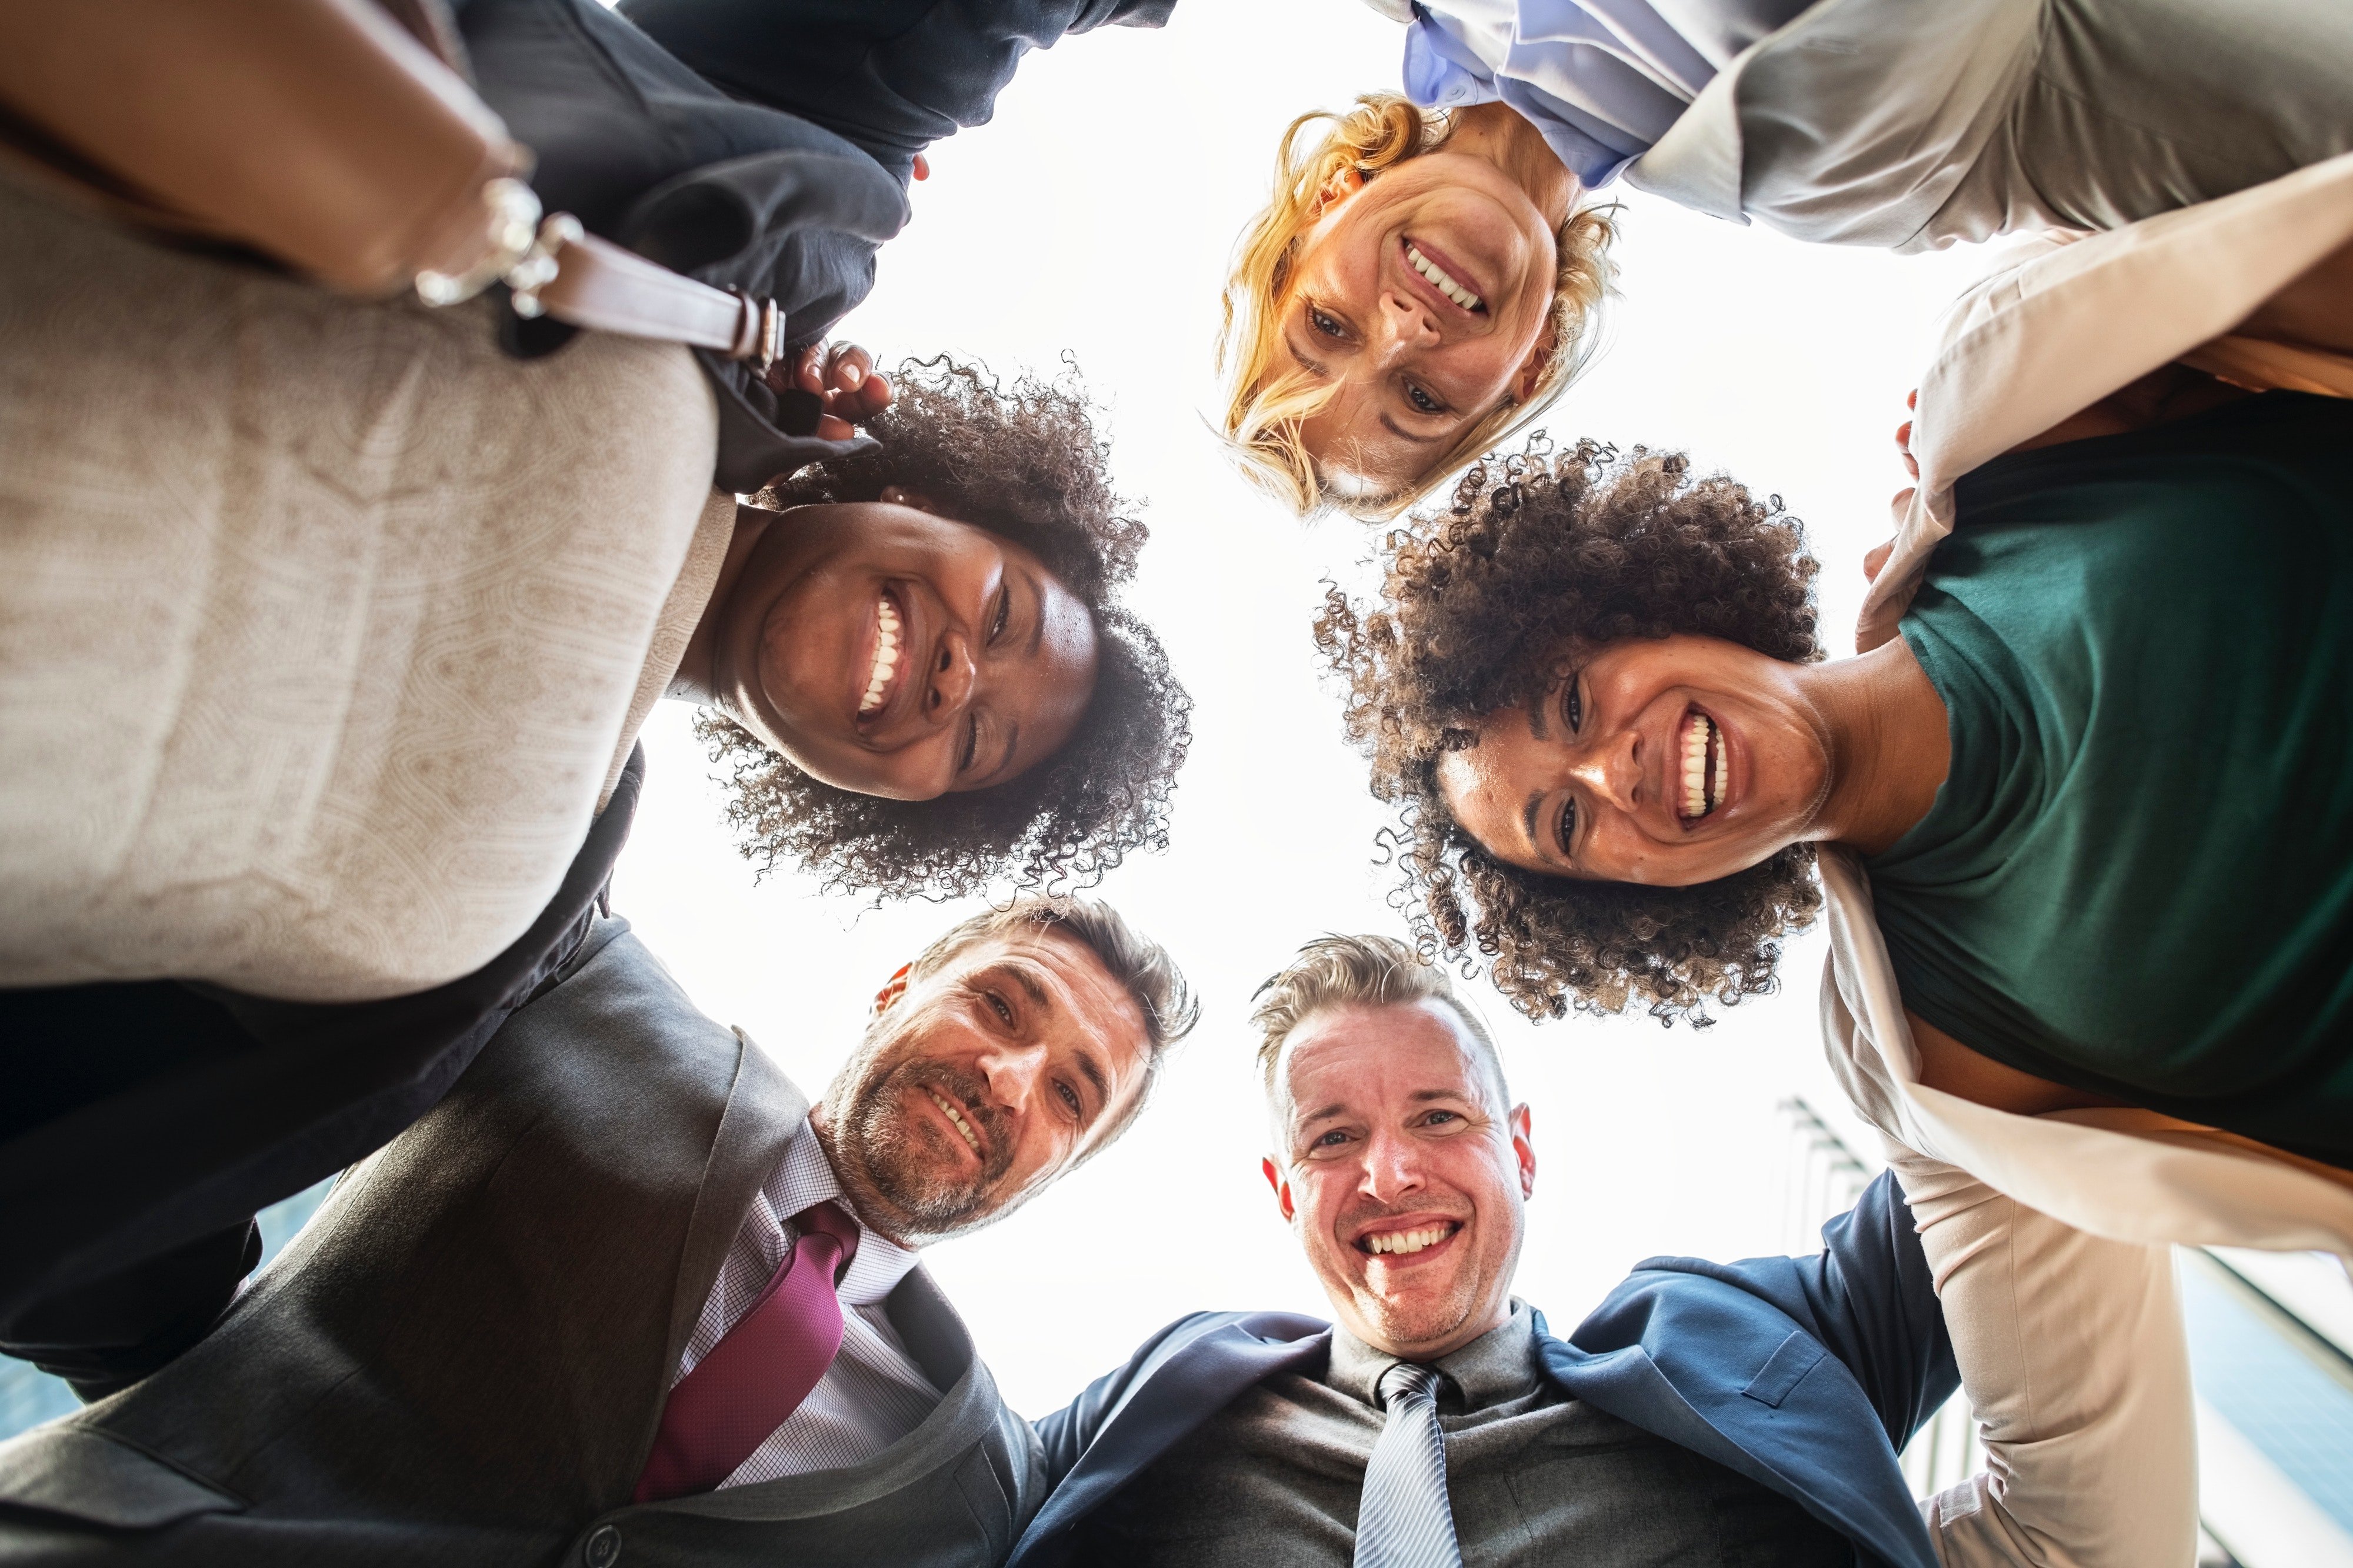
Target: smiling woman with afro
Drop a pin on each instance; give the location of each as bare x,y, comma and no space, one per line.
1540,553
1024,462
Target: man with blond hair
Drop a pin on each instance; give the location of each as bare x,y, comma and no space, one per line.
625,1295
1704,1413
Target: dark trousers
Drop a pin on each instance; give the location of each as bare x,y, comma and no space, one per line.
145,1124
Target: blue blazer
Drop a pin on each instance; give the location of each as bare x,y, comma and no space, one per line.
1803,1373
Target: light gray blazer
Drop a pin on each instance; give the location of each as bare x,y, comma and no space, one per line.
463,1359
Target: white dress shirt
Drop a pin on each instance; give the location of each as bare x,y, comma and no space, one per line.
874,1393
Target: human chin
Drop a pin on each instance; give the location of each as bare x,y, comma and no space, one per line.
930,1146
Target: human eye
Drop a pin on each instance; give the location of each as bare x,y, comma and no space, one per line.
1329,326
1332,1140
1004,614
1071,1099
1423,402
1572,703
971,748
1565,829
999,1005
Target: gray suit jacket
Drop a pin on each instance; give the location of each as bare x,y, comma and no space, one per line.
463,1359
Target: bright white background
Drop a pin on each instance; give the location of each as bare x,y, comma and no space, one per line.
1094,215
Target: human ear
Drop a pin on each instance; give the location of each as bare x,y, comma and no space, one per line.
1281,1188
899,495
1525,1151
893,989
1345,182
1531,369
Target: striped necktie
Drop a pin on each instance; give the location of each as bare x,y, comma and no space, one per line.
760,1370
1404,1519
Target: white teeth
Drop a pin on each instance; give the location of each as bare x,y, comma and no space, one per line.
958,1117
1405,1241
886,657
1699,798
1437,275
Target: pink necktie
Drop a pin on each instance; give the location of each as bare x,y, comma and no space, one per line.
760,1370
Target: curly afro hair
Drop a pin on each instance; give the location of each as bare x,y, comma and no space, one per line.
1540,551
1023,462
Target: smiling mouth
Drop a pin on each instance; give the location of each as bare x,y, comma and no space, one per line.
957,1118
887,661
1405,1243
1707,767
1440,279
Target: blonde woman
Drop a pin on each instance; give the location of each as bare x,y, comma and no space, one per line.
1420,286
1880,123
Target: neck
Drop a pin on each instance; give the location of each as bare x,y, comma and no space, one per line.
696,680
1889,746
1501,135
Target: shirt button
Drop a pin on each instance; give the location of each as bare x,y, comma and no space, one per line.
603,1547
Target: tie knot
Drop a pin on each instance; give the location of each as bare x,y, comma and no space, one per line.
830,1222
1409,1383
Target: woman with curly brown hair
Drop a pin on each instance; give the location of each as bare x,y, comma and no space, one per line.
1595,686
915,660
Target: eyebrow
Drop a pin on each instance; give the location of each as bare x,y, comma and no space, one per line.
1334,1108
1403,434
1029,984
1094,1075
1536,804
1309,365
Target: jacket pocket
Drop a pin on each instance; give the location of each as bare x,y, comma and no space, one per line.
1784,1369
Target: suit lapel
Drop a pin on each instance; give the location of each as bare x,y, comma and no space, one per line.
1193,1380
763,1113
1793,1434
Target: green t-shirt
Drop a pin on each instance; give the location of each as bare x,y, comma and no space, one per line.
2137,878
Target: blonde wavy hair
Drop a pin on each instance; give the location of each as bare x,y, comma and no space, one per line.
1266,405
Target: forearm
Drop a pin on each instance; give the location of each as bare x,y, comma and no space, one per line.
2070,1353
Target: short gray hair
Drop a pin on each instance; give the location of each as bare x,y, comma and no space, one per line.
1335,970
1141,965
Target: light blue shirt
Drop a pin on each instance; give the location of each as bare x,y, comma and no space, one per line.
1601,80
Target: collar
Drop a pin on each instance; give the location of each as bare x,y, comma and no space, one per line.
805,1177
1498,1365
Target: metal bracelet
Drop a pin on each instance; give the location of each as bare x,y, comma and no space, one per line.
538,267
513,234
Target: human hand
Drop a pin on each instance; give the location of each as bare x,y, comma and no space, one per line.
843,377
1904,436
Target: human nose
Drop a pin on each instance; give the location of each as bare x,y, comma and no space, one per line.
1013,1071
1609,768
952,677
1406,324
1392,1168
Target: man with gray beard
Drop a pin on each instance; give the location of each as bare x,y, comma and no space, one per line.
625,1295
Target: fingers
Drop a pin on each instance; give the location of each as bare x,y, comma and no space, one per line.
846,366
1904,448
923,167
1874,558
872,396
843,376
1912,400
